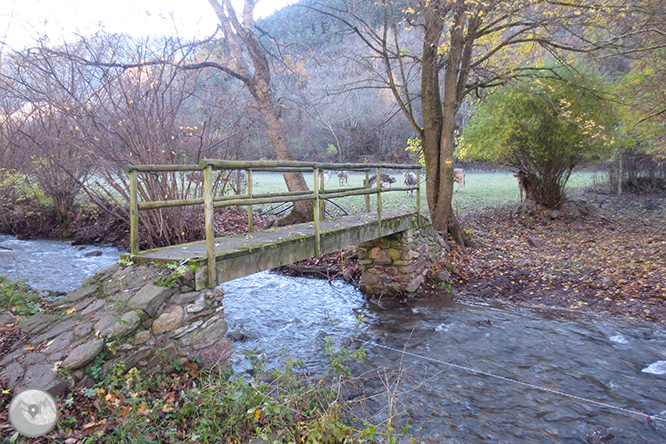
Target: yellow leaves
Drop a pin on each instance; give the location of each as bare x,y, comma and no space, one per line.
71,310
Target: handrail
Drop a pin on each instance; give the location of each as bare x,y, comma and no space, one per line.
210,202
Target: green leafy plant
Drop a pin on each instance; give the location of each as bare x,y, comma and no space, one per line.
18,297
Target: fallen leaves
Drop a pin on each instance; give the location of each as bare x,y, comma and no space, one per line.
590,261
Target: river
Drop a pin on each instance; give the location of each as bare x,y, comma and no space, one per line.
457,370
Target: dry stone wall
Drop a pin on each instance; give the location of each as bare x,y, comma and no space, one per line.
137,316
397,264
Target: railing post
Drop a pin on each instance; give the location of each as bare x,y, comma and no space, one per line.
418,196
134,213
322,202
367,196
316,212
379,204
209,214
250,221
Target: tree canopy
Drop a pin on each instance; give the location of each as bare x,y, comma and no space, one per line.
544,126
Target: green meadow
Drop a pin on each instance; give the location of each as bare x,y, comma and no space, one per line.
482,190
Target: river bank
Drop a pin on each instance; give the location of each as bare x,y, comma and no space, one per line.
599,253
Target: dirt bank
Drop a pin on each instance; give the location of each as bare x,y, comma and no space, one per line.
600,252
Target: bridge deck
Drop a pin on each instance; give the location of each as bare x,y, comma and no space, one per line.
242,255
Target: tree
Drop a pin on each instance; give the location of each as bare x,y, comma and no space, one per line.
459,47
242,36
545,127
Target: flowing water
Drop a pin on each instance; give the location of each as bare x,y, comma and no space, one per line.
470,373
52,264
461,372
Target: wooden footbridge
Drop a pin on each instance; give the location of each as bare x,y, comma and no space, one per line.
231,257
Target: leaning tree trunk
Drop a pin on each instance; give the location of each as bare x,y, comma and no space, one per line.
303,209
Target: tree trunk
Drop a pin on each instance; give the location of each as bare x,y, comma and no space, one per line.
439,120
259,85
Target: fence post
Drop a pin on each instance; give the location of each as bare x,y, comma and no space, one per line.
418,196
316,212
379,204
209,212
134,213
367,196
250,221
322,202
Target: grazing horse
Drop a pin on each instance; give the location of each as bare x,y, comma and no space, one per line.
410,181
343,178
385,181
459,178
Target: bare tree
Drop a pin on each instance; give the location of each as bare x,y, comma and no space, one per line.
466,46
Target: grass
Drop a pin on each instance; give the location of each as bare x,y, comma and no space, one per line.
482,190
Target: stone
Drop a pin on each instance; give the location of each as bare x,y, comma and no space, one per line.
216,293
78,294
135,358
380,263
62,341
443,275
141,337
408,269
101,275
197,306
96,253
412,255
393,253
83,354
391,271
187,298
162,340
216,354
39,377
379,254
12,374
554,214
7,319
37,322
536,242
369,279
118,327
210,334
13,356
94,307
34,358
168,320
201,278
182,331
81,305
83,329
150,298
415,284
55,331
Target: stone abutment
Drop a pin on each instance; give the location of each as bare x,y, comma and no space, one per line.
398,264
146,317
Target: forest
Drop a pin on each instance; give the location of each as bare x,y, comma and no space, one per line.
536,86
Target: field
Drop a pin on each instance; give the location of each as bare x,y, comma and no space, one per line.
482,190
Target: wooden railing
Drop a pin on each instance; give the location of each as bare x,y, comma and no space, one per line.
210,202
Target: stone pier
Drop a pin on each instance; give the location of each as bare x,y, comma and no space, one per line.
146,317
397,264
